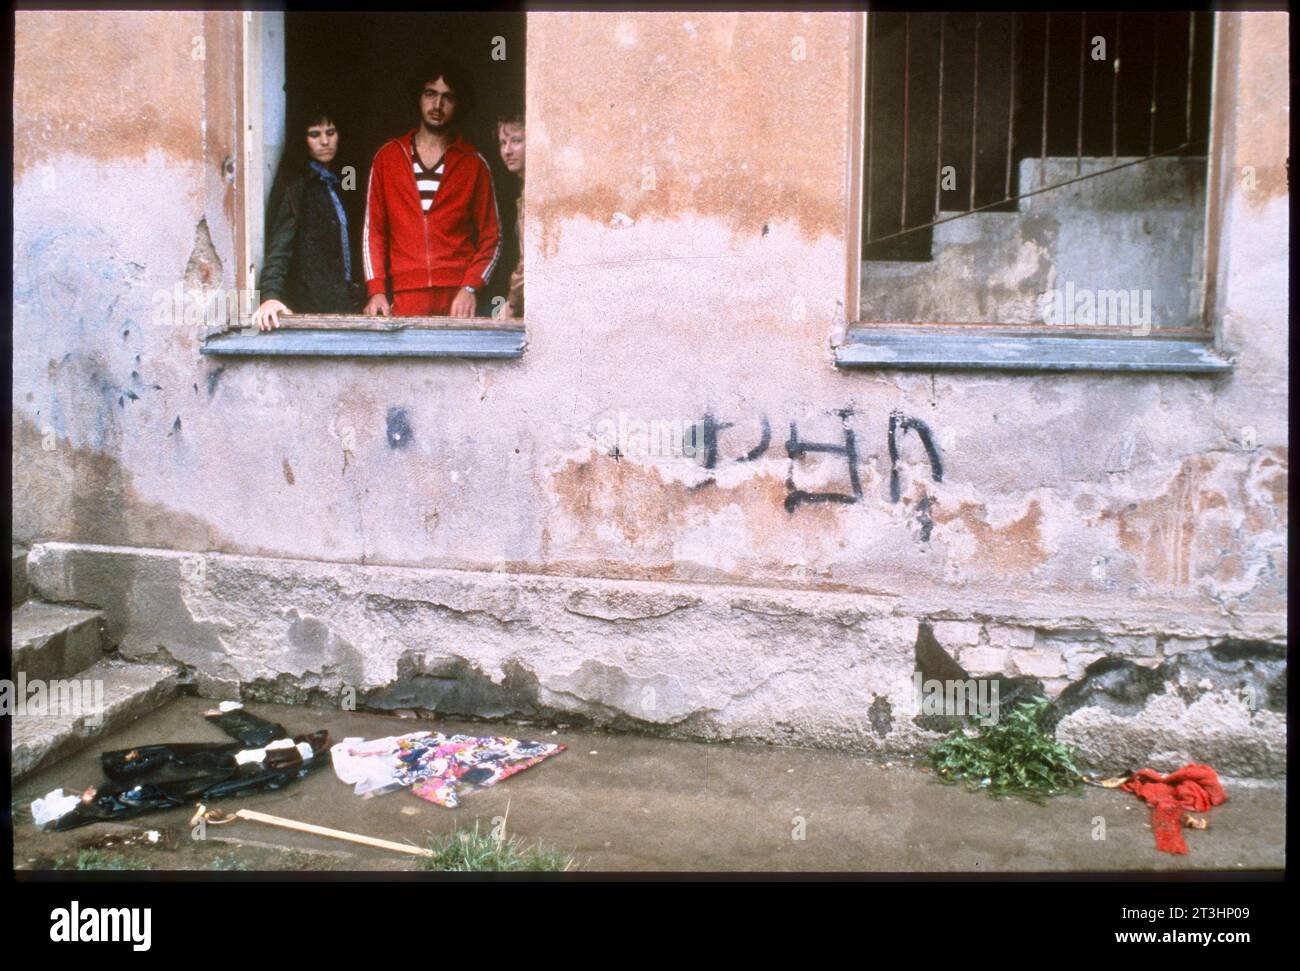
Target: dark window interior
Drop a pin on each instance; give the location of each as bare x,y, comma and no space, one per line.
1112,111
362,63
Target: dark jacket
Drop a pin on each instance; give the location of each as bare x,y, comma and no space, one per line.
304,253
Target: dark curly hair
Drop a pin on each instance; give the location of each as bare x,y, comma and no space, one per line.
455,75
302,116
313,114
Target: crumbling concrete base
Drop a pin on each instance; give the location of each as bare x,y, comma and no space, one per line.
1224,705
822,669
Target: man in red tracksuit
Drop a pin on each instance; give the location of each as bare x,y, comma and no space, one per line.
431,234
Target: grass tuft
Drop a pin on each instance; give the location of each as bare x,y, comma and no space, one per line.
1012,758
99,860
465,850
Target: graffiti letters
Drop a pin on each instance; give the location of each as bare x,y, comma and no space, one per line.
797,449
709,430
714,443
899,424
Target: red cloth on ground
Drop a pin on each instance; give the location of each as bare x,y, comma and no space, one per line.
1194,787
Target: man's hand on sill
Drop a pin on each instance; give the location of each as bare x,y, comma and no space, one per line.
464,305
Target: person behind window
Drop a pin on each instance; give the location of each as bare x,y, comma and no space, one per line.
510,140
309,253
431,235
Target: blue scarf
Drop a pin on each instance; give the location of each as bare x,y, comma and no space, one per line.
332,183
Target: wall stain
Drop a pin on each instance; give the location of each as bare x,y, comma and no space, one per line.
1017,546
1185,532
214,377
398,428
148,107
75,494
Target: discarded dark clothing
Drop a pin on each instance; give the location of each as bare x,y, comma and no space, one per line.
155,777
254,732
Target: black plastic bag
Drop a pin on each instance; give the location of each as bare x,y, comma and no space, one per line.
156,777
254,732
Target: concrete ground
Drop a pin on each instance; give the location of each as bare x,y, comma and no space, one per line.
624,802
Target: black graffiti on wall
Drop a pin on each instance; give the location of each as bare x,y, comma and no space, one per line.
708,432
899,425
797,448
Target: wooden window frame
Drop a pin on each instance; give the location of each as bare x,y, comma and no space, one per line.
260,130
1022,347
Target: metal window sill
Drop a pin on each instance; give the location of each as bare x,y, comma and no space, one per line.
935,349
382,337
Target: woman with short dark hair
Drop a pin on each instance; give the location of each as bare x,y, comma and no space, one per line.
308,252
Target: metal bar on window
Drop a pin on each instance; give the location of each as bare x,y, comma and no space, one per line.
1047,35
871,100
1083,43
904,225
1155,75
1191,53
907,74
1011,108
974,109
1114,92
938,145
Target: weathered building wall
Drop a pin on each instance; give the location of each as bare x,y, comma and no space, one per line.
686,240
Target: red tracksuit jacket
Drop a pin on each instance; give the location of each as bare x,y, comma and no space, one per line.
456,243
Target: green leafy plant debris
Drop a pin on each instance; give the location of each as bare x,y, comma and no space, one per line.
1012,758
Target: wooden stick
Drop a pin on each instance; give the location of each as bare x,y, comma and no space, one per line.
337,834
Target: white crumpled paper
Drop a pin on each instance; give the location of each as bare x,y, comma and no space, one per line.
52,806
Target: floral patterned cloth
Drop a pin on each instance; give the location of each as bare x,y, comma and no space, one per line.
438,768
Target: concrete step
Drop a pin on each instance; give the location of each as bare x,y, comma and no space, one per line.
54,640
1141,223
18,576
75,712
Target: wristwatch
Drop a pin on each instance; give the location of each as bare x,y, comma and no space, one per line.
470,289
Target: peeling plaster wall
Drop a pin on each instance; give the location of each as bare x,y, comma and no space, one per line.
686,252
708,661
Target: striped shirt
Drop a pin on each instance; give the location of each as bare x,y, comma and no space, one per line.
427,180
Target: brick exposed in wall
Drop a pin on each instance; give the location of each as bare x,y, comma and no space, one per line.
957,633
1000,636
